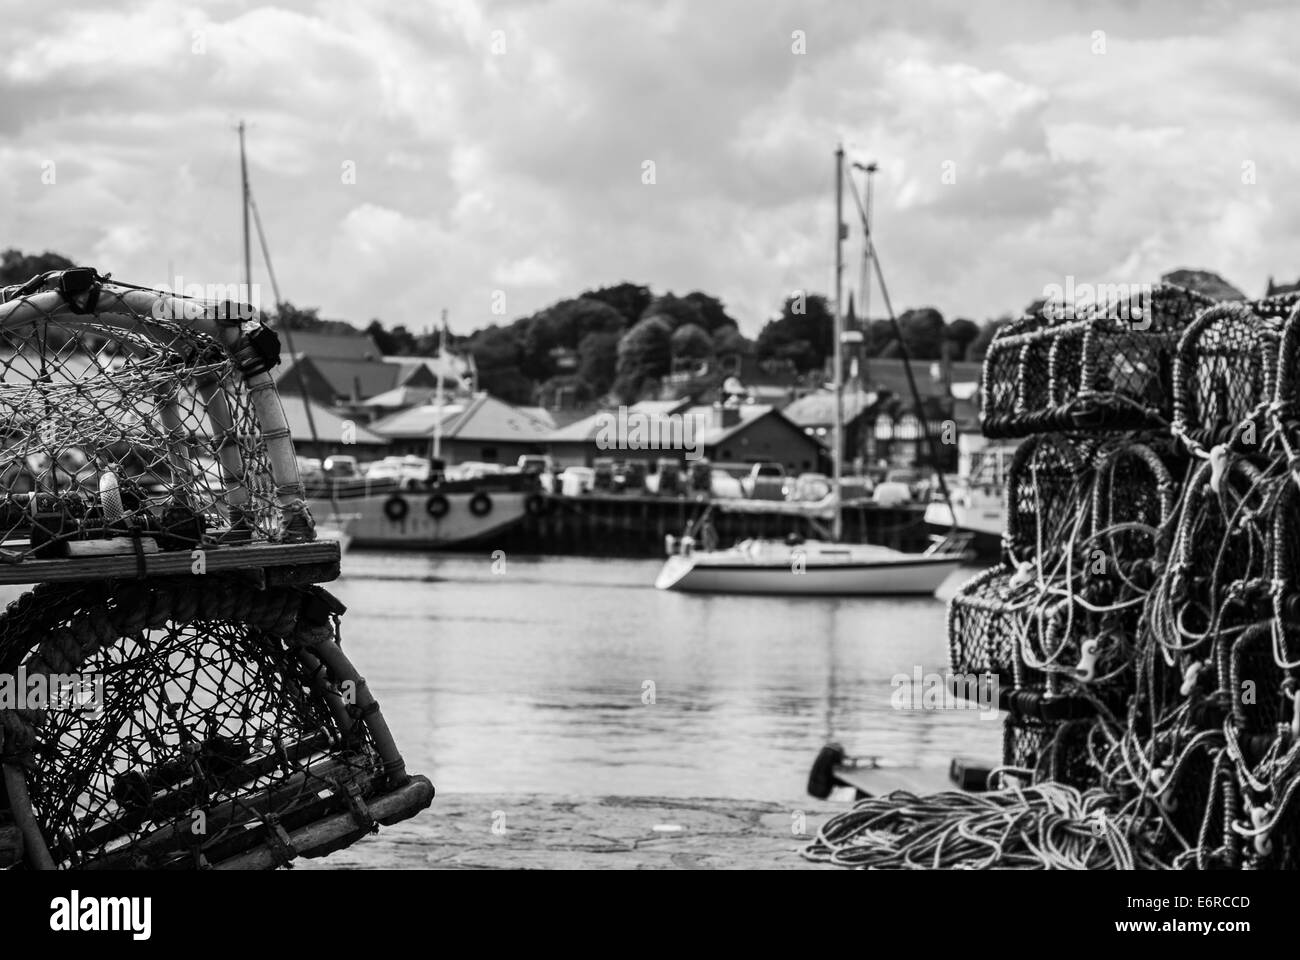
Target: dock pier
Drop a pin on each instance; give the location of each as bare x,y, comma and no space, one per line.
628,525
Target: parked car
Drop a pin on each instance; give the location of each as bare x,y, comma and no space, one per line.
918,484
342,468
408,471
808,487
855,488
766,481
309,468
604,467
667,479
699,477
474,470
575,481
724,485
891,493
535,464
629,475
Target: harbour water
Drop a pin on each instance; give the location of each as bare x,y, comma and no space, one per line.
539,677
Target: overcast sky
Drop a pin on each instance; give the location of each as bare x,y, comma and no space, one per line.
501,146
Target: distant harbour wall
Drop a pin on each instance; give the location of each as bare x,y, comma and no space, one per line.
624,525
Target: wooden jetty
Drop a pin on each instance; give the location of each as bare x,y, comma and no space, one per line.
629,525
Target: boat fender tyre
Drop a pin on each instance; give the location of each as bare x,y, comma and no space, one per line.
396,508
821,779
535,505
480,504
437,506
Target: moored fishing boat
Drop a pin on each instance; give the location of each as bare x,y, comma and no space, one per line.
387,514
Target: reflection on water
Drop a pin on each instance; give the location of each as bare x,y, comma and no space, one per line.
533,680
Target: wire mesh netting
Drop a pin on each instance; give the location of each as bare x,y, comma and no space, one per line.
205,732
1225,374
1102,365
126,411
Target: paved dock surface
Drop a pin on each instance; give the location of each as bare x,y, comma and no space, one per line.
549,832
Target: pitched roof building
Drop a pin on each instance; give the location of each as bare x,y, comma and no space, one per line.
479,428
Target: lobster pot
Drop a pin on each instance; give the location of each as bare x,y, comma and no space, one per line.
1105,367
1201,803
1260,691
1225,375
1007,626
129,412
1052,750
1221,562
1048,498
1285,410
1134,494
1014,388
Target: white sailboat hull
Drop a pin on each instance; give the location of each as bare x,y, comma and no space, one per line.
987,517
887,573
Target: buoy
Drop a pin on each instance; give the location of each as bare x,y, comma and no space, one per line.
437,506
396,508
480,504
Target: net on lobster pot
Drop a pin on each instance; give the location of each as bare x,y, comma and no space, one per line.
128,412
1103,365
1225,376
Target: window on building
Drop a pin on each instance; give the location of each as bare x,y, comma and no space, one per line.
489,454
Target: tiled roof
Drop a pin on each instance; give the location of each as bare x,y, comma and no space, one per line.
329,426
483,418
334,346
818,409
372,376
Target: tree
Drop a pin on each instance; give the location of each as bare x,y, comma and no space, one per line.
803,334
713,315
675,311
628,299
960,333
19,267
497,355
690,341
562,327
923,332
598,360
728,340
880,337
644,353
980,345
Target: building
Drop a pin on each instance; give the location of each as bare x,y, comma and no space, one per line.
331,435
731,433
881,428
479,427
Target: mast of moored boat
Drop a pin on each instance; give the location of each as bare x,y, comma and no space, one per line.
437,407
837,453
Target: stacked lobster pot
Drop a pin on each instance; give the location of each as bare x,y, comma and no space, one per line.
1143,625
1090,499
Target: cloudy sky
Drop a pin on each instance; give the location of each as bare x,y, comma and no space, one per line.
411,155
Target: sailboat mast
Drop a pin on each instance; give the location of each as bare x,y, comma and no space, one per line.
437,417
243,179
837,453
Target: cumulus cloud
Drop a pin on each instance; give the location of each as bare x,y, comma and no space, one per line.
411,157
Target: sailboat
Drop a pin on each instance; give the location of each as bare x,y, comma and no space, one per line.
335,525
798,566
